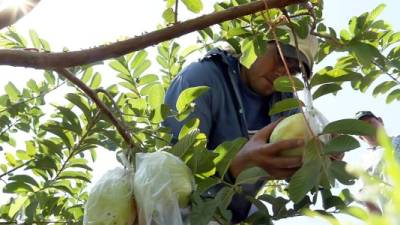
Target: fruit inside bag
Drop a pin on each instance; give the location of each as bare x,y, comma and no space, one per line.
111,199
162,184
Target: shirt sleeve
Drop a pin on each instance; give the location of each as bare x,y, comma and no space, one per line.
196,74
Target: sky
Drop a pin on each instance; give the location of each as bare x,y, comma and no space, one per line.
79,24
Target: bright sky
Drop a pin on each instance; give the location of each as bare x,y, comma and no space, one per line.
79,24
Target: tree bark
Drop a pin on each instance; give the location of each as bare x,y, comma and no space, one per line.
43,60
10,15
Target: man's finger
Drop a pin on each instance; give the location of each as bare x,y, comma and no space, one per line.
281,173
277,147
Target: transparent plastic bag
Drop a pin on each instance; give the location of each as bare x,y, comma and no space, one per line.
111,200
316,120
162,184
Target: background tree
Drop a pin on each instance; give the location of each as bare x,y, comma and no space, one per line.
47,178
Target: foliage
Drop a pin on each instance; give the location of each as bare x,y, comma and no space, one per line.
47,174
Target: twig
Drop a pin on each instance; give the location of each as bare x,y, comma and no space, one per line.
103,107
43,60
16,168
386,72
120,114
32,98
326,37
176,11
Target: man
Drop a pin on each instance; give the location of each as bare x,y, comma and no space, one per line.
377,122
237,105
372,159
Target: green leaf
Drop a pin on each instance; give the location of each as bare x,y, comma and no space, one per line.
79,163
185,143
87,75
203,210
119,67
365,53
251,175
35,39
17,205
156,95
150,78
226,153
169,15
11,159
304,180
75,175
201,162
50,77
334,75
96,81
284,84
64,185
375,13
17,187
193,5
345,35
22,155
69,116
285,105
190,125
24,179
188,95
81,103
12,91
395,94
383,87
190,49
249,55
350,126
341,143
139,58
326,89
338,169
139,69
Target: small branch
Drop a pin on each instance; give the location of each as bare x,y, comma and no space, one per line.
16,168
332,39
386,72
103,107
176,11
43,60
32,98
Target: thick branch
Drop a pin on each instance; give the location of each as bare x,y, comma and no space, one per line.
42,60
10,15
103,108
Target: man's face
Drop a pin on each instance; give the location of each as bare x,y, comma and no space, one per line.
375,122
261,75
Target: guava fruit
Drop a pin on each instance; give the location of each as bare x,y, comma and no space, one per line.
292,127
111,200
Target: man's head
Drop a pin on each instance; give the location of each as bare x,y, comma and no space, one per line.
370,118
269,66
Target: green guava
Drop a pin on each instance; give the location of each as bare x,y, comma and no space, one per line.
292,127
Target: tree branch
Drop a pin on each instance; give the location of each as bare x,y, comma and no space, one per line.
103,107
43,60
10,15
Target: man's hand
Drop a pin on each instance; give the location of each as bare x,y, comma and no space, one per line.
256,152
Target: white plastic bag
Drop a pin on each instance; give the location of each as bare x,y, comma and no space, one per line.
111,200
315,118
162,185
